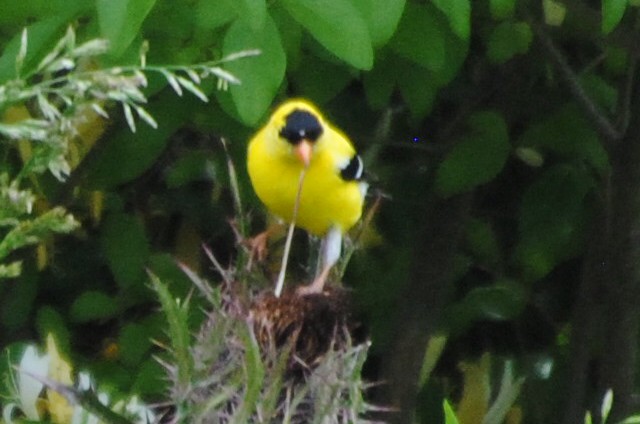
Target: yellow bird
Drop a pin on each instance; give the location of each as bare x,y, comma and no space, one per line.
298,139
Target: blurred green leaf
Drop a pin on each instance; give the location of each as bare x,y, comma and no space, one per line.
212,14
418,37
567,133
127,155
507,40
502,301
458,13
612,13
502,9
600,90
126,248
93,305
553,215
477,157
338,26
449,414
260,76
482,241
134,341
418,87
382,18
150,379
554,12
24,12
16,308
120,21
191,167
319,80
50,321
42,37
380,81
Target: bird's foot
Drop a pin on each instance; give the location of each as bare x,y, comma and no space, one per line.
317,286
258,247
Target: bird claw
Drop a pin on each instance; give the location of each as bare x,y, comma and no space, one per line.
258,247
317,286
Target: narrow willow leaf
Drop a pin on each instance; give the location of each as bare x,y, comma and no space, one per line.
141,78
193,75
48,110
146,116
607,403
62,64
189,86
240,54
129,116
224,75
22,53
99,110
173,82
94,47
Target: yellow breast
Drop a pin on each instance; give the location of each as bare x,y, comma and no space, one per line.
326,199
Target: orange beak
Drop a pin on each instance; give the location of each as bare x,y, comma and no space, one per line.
303,152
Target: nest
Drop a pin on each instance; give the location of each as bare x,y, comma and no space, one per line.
309,325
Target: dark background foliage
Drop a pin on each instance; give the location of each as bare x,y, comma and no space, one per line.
504,132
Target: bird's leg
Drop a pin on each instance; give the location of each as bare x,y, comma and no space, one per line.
329,255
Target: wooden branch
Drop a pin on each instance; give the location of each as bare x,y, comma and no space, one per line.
602,124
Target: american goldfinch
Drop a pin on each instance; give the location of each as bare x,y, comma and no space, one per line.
298,140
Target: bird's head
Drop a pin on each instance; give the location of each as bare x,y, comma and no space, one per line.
300,125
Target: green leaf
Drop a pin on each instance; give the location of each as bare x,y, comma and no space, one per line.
134,341
482,241
126,248
380,81
212,14
382,18
120,21
419,37
18,301
507,40
150,379
418,87
612,13
50,321
554,12
553,216
191,167
319,80
260,76
567,133
477,157
127,155
338,26
449,414
502,9
93,305
41,38
458,13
